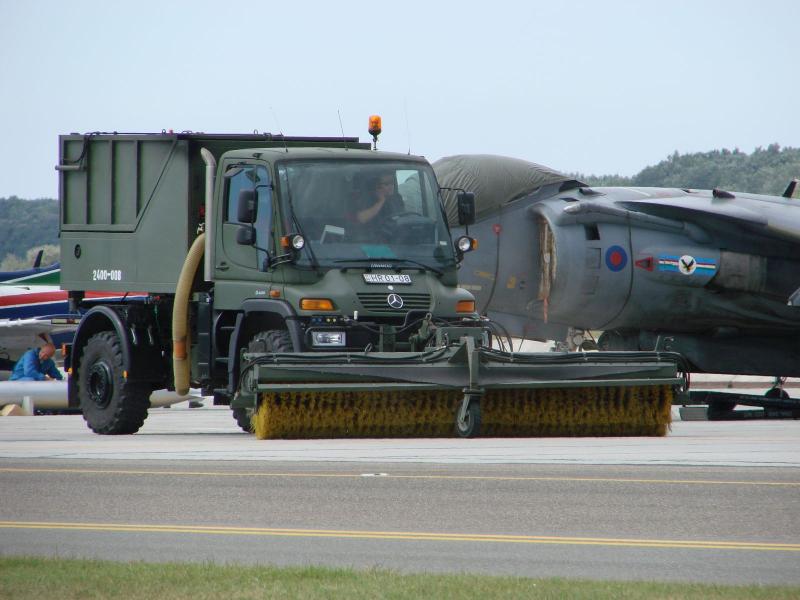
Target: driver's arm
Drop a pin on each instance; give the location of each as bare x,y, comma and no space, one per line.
369,213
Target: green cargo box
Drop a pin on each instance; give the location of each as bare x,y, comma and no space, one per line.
131,204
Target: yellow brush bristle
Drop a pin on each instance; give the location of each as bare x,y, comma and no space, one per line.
609,411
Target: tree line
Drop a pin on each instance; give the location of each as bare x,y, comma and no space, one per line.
764,171
28,225
25,227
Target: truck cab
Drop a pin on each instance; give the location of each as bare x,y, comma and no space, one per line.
328,251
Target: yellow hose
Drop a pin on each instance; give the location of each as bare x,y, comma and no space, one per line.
180,311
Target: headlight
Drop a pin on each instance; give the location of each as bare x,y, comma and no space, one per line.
293,240
466,243
298,242
328,338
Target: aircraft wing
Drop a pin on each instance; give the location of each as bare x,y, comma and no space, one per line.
18,335
34,276
741,222
768,216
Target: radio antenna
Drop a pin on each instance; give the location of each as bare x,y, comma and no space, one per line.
344,139
280,129
408,127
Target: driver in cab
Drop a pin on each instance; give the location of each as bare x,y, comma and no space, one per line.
380,202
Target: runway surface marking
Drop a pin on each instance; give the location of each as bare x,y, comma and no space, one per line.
402,535
390,476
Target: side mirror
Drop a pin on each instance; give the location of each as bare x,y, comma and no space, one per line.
246,210
246,235
466,208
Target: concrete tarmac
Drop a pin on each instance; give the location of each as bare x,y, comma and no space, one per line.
704,524
212,434
712,501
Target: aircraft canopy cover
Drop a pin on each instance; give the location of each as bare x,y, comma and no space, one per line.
495,180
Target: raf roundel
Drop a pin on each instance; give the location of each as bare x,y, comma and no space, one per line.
616,258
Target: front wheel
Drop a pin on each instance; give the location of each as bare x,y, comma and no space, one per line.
271,340
110,404
470,425
244,418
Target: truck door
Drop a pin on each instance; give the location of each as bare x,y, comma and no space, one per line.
234,255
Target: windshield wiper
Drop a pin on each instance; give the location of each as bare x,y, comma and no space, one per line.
394,261
296,221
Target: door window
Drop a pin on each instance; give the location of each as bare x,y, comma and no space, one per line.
256,178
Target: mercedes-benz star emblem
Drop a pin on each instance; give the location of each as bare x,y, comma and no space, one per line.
395,301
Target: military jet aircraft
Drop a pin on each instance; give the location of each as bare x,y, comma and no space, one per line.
36,275
711,274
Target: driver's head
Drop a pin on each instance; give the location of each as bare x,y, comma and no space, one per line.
47,351
385,183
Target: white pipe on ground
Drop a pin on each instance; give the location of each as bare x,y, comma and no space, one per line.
52,395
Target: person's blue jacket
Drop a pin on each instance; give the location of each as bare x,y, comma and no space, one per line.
30,368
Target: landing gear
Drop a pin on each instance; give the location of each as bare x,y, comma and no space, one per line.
774,404
777,393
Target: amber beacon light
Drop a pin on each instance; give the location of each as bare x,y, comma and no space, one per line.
375,129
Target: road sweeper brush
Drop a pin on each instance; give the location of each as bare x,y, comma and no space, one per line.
462,388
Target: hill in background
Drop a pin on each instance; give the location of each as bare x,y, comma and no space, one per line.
26,225
33,224
766,171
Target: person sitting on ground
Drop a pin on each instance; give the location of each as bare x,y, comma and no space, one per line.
37,365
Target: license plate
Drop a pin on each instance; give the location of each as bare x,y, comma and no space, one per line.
387,278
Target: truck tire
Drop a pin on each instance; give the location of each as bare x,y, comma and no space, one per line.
242,416
272,340
109,403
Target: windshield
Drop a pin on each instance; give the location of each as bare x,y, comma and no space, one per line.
352,210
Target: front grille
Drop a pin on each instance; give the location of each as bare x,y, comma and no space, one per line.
377,302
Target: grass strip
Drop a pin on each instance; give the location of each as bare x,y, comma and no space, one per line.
23,577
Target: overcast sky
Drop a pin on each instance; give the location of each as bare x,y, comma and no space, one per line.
595,87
